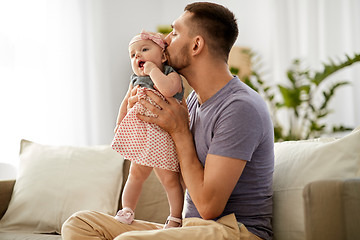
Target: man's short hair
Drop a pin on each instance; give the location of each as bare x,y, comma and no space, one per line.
216,24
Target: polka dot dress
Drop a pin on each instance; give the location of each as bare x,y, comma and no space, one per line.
144,143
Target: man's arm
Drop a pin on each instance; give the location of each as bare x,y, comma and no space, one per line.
210,186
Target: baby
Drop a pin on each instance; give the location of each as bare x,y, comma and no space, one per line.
146,145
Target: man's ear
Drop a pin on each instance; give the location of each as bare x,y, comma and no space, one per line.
198,45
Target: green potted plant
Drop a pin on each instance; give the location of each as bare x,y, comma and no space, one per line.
164,29
298,94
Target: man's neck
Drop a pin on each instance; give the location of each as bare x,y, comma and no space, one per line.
207,81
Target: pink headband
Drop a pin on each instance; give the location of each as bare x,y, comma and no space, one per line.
144,35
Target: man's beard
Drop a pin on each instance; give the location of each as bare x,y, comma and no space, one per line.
181,60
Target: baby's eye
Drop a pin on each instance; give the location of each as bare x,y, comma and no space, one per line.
132,55
145,49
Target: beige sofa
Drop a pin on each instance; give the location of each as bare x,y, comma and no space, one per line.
151,200
316,192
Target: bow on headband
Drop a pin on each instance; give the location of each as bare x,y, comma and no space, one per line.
155,37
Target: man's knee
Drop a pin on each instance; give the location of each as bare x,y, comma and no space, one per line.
78,215
73,221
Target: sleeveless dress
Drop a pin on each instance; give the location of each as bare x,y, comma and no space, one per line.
145,143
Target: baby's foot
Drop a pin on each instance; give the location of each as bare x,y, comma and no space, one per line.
173,222
125,215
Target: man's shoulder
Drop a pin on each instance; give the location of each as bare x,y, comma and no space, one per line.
191,100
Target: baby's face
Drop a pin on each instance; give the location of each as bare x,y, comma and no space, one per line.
142,51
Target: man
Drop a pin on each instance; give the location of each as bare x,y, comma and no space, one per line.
226,156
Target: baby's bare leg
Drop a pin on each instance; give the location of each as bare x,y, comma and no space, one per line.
175,194
132,190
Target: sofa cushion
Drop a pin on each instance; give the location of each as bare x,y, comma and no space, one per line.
28,236
56,181
298,163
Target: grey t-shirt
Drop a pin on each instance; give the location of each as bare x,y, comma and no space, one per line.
235,123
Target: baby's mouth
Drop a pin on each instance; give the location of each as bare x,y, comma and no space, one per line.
141,64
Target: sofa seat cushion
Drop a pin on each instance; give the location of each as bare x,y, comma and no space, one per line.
56,181
28,236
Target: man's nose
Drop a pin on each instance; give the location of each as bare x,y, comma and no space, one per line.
167,39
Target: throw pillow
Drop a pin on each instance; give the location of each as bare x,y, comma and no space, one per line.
298,163
56,181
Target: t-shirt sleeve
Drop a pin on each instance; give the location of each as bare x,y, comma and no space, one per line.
168,69
237,131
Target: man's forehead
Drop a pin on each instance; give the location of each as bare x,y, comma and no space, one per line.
180,20
175,24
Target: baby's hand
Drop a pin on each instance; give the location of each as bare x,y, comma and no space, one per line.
148,66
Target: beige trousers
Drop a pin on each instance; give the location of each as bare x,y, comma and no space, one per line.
87,225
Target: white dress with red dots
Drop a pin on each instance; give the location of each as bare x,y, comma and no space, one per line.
145,143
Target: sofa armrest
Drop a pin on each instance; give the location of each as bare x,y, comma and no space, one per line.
6,189
332,209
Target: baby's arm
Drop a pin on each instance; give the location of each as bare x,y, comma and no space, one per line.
167,85
123,107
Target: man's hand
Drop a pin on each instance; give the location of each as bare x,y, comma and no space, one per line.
173,116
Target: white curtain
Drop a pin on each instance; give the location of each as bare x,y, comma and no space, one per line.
52,74
315,31
64,69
